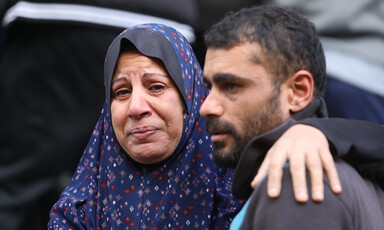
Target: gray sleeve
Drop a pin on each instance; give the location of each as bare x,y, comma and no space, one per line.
285,213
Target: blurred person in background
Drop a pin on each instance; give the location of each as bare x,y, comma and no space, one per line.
51,91
352,33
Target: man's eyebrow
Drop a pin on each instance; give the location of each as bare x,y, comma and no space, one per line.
206,80
224,77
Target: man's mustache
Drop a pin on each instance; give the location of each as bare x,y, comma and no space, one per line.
214,125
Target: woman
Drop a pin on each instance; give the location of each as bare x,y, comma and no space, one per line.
149,161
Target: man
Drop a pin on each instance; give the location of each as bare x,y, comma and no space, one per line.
265,67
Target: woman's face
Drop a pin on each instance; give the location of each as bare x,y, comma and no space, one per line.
147,112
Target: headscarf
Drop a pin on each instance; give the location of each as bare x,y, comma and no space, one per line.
186,191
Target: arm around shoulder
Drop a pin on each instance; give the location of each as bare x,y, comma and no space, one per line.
360,143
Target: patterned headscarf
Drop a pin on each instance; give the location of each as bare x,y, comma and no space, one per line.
186,191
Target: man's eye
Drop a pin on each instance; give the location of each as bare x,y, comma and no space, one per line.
156,89
208,85
230,87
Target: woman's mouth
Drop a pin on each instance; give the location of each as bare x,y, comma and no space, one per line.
142,133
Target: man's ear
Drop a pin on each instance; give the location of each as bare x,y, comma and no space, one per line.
300,90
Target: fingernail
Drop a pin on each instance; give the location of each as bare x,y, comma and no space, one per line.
273,192
338,188
318,195
302,195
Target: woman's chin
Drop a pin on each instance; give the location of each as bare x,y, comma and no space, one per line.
149,157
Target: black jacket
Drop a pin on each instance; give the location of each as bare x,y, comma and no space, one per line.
360,143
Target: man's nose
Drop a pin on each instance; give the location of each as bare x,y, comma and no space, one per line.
211,106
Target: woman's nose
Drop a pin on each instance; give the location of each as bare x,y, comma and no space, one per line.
138,105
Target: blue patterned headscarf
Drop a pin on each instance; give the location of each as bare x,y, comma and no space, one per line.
186,191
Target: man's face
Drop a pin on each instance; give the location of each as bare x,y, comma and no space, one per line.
242,103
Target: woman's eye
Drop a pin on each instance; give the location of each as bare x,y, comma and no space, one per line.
121,93
157,89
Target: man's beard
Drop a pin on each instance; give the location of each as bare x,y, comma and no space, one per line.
260,121
229,158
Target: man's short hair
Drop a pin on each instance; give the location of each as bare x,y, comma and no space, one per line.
288,41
